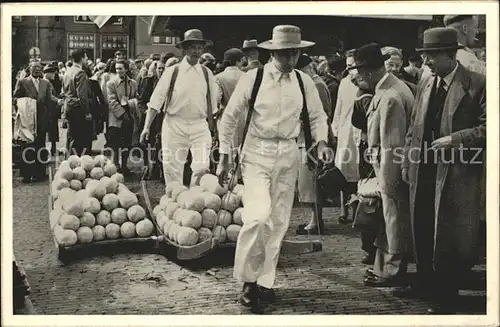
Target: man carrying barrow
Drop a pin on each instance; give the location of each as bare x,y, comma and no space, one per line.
270,158
186,93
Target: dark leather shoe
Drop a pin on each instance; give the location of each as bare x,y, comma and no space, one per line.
369,272
368,259
250,294
267,294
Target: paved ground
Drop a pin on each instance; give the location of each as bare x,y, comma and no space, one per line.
327,282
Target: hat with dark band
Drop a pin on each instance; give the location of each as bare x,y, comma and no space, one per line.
193,35
440,39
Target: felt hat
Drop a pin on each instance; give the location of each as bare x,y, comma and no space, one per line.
369,56
233,54
440,39
249,44
285,37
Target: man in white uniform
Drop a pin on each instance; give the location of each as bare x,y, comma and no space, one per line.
270,159
188,121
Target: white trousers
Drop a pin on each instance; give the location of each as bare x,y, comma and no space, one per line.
178,136
269,169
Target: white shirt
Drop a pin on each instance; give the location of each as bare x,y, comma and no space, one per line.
189,97
277,108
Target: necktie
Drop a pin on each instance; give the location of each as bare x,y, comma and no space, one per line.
439,99
36,81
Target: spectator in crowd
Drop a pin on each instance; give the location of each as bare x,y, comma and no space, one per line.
445,195
252,52
387,126
208,60
394,65
332,76
119,55
148,85
109,73
307,178
35,154
346,156
226,81
50,74
414,67
359,120
77,110
122,102
138,63
62,69
183,99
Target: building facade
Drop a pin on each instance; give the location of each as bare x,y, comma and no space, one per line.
57,36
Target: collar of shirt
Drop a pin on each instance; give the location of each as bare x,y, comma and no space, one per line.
185,66
382,80
448,78
35,80
274,71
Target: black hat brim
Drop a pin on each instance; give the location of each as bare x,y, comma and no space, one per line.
383,59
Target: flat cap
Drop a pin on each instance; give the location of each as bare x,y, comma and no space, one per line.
233,54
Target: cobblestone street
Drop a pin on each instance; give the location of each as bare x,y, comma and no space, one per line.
327,282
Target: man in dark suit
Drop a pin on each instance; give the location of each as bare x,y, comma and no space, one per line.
77,105
443,166
35,154
252,53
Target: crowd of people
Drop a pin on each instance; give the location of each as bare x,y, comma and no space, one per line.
362,112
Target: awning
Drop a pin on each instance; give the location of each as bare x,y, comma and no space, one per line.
100,21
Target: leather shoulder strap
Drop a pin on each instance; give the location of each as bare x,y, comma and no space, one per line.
251,104
170,88
305,113
210,114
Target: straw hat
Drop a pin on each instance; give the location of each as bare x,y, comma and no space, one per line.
285,37
193,35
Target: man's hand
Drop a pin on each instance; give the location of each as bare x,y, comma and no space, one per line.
405,175
88,117
223,168
325,154
442,143
144,136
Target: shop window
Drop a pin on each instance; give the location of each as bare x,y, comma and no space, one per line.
83,41
112,43
164,40
83,20
17,19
